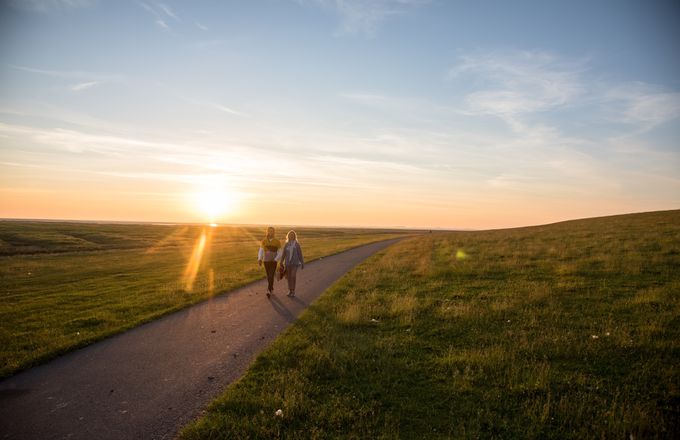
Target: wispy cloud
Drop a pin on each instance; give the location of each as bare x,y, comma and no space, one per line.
84,85
208,104
212,105
518,86
78,141
86,80
71,74
225,109
48,5
364,16
168,11
201,26
161,13
158,160
642,104
520,82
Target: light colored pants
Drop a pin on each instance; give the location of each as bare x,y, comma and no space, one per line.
291,275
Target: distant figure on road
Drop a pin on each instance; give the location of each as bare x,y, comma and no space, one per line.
269,254
292,260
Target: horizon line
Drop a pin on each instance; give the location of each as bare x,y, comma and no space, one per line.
405,228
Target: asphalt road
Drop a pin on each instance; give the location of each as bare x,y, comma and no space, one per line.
150,381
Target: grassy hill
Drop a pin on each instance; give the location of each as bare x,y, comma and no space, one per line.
570,330
65,285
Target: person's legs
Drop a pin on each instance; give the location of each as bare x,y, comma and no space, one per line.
270,267
291,272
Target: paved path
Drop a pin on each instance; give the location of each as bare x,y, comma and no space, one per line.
148,382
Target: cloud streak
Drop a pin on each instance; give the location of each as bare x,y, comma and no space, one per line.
71,74
523,87
161,12
49,5
84,85
641,104
364,16
520,82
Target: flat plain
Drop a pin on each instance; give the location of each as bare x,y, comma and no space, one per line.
66,285
569,330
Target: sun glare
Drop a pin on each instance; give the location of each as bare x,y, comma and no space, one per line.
215,203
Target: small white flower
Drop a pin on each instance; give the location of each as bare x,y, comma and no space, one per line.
595,337
374,320
607,333
278,413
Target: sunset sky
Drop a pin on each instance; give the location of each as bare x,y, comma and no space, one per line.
415,113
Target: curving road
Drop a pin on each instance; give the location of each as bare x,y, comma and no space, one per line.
150,381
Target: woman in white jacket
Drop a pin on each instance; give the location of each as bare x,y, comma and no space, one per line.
292,259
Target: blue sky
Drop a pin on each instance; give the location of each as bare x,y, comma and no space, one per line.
376,112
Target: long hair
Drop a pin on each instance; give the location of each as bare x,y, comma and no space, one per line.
293,233
266,231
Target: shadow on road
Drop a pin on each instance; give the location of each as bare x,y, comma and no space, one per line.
281,309
299,301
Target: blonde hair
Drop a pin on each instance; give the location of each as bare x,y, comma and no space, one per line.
288,235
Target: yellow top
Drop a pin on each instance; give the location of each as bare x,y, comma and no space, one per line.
272,245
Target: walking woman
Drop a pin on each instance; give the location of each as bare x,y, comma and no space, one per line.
292,260
269,254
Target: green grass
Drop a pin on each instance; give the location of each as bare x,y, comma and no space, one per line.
569,330
65,285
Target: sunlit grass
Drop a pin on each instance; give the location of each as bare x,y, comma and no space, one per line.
563,331
66,285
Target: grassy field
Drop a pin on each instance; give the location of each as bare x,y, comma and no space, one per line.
65,285
569,330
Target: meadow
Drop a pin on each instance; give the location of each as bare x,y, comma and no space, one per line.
570,330
66,285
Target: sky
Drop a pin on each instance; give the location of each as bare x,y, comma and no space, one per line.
381,113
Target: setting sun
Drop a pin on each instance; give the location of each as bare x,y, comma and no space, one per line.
215,203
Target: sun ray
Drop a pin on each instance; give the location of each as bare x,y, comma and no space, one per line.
249,234
194,264
176,233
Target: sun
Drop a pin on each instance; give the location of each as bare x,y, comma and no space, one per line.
215,203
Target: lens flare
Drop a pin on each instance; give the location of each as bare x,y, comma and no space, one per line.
194,264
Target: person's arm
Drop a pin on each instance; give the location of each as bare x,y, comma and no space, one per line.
302,259
279,255
284,249
260,256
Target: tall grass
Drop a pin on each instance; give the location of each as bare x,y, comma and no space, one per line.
569,330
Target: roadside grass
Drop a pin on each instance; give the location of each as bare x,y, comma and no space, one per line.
569,330
65,285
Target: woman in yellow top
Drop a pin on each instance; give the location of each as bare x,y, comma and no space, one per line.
269,254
